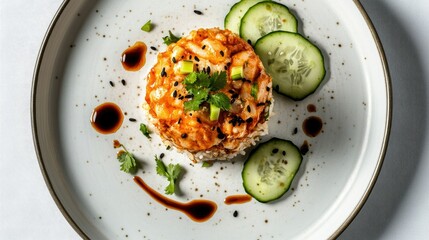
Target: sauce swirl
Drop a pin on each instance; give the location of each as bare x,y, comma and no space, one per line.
198,210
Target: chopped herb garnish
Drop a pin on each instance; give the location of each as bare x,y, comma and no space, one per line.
202,88
207,164
254,90
147,27
127,160
171,172
170,39
145,130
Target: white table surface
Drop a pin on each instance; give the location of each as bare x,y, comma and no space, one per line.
398,207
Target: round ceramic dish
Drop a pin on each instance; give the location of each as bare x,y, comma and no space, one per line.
79,68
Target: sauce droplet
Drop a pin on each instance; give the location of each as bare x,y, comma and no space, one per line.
304,148
134,57
198,210
312,126
311,108
237,199
107,118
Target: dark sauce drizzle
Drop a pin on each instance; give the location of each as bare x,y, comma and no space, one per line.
198,210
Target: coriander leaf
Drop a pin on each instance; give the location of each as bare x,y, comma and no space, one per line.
170,39
145,130
171,172
192,105
191,78
147,27
160,167
218,81
128,162
220,100
174,170
203,80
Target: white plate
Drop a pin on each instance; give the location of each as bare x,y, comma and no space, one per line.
80,56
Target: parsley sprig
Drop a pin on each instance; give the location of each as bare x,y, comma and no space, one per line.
127,160
171,172
203,88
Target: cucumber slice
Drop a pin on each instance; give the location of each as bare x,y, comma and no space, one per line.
266,17
270,169
295,64
233,18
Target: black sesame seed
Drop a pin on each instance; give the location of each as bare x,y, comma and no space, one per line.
275,150
208,69
188,96
161,155
153,48
190,57
176,83
199,120
249,42
235,214
111,83
295,131
163,73
284,153
248,108
175,93
132,120
180,119
225,67
184,135
196,59
268,89
249,120
204,46
174,60
123,82
222,53
198,12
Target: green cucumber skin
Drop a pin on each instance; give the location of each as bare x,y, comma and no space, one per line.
257,5
322,76
235,11
243,173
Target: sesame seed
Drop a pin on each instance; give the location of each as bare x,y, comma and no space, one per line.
198,12
174,60
111,83
123,82
175,93
222,53
204,46
176,83
196,59
153,48
275,150
248,108
132,120
184,135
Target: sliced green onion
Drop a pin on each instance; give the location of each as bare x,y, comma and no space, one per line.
214,112
237,73
186,66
